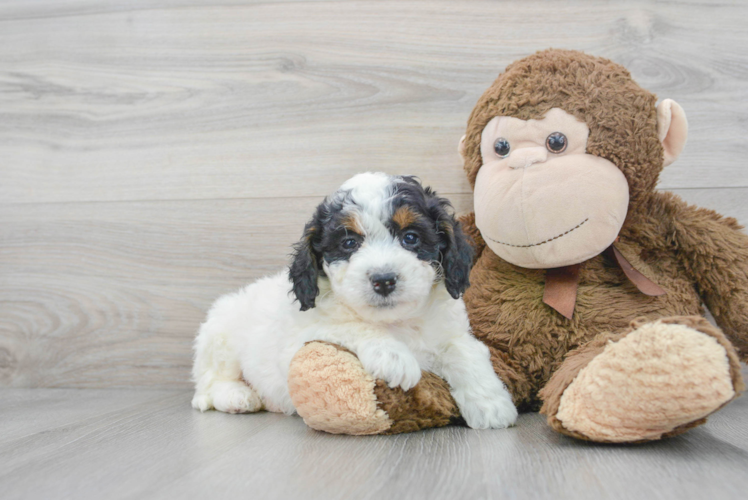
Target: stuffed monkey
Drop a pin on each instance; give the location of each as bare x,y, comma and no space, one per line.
588,283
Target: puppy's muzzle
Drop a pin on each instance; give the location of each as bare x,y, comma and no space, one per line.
384,283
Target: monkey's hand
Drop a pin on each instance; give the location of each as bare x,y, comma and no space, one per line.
714,249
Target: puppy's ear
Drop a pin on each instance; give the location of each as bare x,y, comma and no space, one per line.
457,261
456,251
304,268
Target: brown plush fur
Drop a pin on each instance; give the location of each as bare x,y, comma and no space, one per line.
695,254
507,313
428,404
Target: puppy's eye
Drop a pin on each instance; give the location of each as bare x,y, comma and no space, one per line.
410,239
556,142
501,147
349,244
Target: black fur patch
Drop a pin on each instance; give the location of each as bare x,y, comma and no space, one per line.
322,239
305,267
442,241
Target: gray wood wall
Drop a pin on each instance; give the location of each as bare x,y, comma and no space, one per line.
157,153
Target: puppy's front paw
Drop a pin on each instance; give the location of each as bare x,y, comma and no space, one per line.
234,397
496,412
391,362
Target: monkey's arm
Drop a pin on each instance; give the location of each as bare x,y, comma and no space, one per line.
714,250
468,227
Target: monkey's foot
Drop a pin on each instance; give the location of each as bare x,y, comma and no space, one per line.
658,380
333,393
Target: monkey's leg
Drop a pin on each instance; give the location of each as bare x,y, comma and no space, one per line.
332,393
656,380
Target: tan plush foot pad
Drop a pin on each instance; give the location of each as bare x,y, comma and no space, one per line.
332,392
661,379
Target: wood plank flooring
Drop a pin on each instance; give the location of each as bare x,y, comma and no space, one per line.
122,444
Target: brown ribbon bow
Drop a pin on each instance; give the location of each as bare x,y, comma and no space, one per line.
561,283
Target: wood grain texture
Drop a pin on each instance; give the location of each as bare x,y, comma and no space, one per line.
119,444
155,154
191,100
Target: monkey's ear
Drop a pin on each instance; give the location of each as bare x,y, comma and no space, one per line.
304,269
672,129
461,147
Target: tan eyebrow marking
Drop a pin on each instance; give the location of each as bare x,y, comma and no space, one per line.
405,216
351,223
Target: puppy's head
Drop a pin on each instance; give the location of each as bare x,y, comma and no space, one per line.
383,242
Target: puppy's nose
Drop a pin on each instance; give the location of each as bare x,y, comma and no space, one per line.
384,283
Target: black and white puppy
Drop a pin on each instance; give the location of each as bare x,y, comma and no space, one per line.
379,270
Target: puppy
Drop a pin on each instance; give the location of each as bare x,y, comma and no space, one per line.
379,270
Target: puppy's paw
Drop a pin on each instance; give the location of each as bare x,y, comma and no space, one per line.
201,402
495,412
392,362
235,397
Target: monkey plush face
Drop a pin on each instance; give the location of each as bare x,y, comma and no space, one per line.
562,151
540,199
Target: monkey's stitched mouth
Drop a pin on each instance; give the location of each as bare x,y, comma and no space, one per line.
542,242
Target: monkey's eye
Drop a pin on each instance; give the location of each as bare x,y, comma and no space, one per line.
501,146
349,244
556,142
410,239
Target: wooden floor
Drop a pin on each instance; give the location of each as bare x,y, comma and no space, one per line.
112,444
155,154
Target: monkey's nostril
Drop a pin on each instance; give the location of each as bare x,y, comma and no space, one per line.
384,283
527,157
